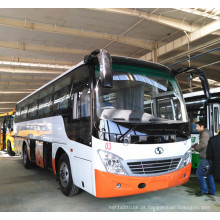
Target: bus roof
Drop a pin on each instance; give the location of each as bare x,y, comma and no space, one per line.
118,59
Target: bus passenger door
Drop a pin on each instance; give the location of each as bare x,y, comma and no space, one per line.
81,134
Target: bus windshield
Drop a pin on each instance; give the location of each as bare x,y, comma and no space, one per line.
140,95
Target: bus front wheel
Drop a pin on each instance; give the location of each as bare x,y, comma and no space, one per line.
65,177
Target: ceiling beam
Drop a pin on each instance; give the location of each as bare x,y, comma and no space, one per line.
190,51
32,60
200,65
28,70
74,32
34,65
201,48
204,14
14,92
25,79
15,98
17,83
7,103
174,23
41,48
196,35
157,18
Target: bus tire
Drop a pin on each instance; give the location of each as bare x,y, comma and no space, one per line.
65,177
27,163
9,150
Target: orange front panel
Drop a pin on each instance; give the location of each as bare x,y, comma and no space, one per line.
106,182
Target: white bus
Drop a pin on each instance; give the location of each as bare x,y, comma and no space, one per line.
112,126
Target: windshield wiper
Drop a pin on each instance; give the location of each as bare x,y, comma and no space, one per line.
126,133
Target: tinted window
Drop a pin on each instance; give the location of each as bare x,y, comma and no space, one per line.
32,107
62,94
32,110
17,113
80,76
62,83
23,115
45,101
45,106
61,99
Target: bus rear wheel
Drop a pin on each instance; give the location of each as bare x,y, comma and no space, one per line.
9,150
27,163
65,177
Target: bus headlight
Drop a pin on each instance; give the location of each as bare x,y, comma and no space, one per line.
112,162
186,158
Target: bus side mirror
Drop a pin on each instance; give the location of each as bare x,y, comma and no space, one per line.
105,64
200,74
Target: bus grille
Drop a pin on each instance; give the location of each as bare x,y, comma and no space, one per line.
151,167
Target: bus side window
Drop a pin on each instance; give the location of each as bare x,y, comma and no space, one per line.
61,99
45,102
17,114
62,95
24,113
32,110
44,106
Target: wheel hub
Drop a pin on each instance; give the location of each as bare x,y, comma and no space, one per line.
64,174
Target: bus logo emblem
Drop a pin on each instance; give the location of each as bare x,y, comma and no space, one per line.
159,150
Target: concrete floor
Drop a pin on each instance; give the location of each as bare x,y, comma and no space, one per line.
37,190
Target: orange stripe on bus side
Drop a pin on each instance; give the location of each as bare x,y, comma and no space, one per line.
54,166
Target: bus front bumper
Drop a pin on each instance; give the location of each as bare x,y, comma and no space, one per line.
113,185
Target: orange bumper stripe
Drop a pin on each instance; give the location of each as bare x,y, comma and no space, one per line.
106,182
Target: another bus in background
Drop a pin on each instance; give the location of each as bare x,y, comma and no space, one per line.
6,126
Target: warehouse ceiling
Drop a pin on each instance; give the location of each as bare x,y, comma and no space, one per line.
36,45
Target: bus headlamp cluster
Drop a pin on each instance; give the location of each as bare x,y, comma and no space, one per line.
112,162
187,158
